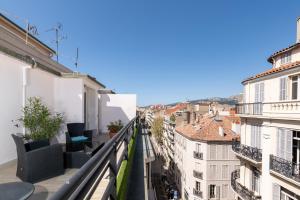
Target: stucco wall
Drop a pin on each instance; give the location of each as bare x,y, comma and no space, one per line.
116,106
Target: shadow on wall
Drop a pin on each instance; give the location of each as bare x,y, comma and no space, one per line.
111,113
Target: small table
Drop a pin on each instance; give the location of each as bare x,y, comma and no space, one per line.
16,190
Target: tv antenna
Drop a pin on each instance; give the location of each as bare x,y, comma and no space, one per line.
58,37
76,59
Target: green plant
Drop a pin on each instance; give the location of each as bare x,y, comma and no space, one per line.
38,120
172,118
157,129
115,126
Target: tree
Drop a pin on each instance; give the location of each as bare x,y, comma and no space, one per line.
157,129
173,118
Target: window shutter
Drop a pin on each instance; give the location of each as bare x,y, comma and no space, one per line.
256,93
252,136
218,192
281,143
258,137
276,191
283,86
262,92
289,145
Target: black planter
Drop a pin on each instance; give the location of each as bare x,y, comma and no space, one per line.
37,144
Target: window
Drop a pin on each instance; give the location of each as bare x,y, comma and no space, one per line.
198,186
283,89
256,136
294,87
225,190
286,58
284,144
296,149
197,167
225,171
198,147
213,171
224,152
213,152
255,181
214,191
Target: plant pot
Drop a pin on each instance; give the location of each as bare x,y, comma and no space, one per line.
37,144
112,134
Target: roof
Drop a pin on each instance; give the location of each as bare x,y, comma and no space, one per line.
273,71
207,129
78,75
270,59
176,108
19,28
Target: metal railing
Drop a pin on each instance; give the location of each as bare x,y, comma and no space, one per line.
241,190
198,155
249,108
198,193
285,167
86,180
198,174
247,151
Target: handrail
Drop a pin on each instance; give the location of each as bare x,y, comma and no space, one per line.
83,184
247,151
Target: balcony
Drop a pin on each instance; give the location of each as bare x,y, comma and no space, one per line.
241,190
275,110
198,155
285,168
198,174
252,154
197,193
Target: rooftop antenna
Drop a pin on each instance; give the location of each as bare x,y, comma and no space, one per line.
76,59
58,36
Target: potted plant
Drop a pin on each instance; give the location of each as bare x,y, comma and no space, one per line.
114,127
40,124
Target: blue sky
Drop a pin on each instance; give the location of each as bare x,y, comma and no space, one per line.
165,50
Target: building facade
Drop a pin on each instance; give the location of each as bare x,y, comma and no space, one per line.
269,149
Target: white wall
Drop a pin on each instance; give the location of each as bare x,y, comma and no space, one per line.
116,106
11,84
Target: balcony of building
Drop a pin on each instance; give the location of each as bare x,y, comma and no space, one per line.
197,174
274,110
285,169
242,191
104,176
198,155
248,153
197,193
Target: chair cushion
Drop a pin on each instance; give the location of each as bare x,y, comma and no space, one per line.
79,138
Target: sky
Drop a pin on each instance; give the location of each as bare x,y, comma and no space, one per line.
164,50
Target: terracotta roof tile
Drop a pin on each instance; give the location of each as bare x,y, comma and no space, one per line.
207,129
273,71
270,59
176,108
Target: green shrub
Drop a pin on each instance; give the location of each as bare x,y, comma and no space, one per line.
38,120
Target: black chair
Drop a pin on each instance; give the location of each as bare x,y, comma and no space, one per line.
38,164
74,130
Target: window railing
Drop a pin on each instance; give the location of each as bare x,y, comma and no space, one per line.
198,155
250,108
85,182
241,190
198,174
247,151
285,167
198,193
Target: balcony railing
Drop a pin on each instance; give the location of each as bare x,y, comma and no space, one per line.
198,155
247,151
84,183
198,174
249,108
198,193
241,190
285,168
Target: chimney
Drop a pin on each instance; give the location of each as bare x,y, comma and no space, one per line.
221,131
186,117
298,30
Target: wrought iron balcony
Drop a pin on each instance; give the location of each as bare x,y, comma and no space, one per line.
250,152
198,174
198,155
285,168
250,108
198,193
241,190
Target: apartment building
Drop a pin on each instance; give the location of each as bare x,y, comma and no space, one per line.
269,149
203,157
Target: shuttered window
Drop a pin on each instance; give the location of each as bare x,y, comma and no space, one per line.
276,191
256,136
213,152
284,143
225,172
294,87
283,89
224,152
225,190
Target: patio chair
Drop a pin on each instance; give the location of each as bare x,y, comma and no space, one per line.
77,137
38,164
